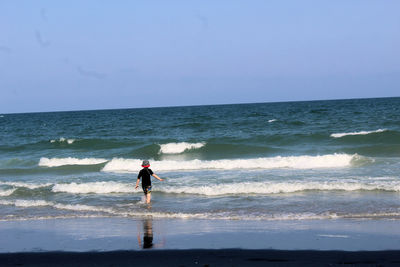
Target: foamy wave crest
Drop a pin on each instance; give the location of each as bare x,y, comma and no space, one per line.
295,162
106,213
273,120
57,162
121,165
78,207
26,203
177,148
32,203
25,185
228,215
40,203
7,193
6,202
280,187
94,188
63,140
10,218
339,135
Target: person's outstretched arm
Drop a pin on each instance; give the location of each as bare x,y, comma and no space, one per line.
155,175
137,183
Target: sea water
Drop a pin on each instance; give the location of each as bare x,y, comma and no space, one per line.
269,161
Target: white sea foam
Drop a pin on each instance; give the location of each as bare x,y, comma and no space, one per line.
88,211
165,215
334,236
177,148
78,207
7,193
242,188
279,187
32,203
94,188
39,203
26,185
121,165
273,120
6,202
105,213
56,162
50,217
294,162
339,135
62,140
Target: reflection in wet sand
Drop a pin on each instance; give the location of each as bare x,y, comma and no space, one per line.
147,241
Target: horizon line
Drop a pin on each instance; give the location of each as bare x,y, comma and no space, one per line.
200,105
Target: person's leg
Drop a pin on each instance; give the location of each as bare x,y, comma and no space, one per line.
148,198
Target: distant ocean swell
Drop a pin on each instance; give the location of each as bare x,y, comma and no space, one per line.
94,144
70,143
259,143
296,162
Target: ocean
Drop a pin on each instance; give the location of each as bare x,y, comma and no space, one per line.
266,162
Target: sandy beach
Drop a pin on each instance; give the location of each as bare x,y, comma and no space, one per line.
147,242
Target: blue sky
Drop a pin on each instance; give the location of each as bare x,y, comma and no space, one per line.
78,55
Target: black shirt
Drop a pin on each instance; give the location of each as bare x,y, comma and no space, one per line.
145,175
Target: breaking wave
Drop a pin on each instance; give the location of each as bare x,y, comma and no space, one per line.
339,135
7,193
177,148
121,165
100,211
26,185
281,187
57,162
32,203
26,203
241,188
95,187
63,140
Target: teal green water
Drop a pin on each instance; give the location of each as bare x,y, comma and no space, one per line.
269,161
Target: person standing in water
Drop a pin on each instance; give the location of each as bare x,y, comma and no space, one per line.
146,174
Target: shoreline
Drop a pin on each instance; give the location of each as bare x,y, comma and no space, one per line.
183,242
206,257
134,234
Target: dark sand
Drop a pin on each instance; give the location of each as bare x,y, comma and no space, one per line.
121,242
124,234
221,257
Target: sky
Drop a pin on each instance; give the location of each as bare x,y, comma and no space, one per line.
84,55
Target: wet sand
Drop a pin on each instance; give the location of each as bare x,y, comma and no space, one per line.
221,257
174,242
